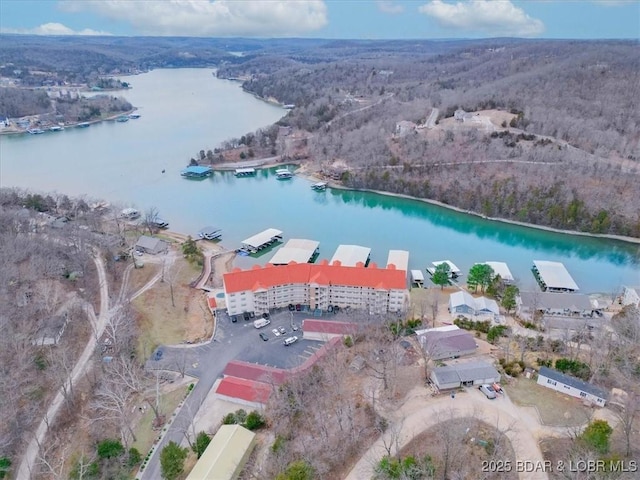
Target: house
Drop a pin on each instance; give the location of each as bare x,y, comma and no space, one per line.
463,303
446,342
151,245
226,455
572,386
51,330
630,296
554,304
466,374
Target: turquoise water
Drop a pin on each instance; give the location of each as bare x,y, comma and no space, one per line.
186,110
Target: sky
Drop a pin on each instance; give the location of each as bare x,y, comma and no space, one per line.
353,19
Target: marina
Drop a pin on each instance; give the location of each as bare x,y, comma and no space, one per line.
245,172
210,233
351,255
553,277
296,250
194,171
260,241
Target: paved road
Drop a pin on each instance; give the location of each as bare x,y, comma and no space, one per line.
421,413
98,324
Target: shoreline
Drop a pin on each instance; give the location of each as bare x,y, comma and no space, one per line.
302,171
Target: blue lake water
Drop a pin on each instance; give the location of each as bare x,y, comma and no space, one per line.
186,110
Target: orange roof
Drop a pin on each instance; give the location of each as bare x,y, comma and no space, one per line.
321,274
244,389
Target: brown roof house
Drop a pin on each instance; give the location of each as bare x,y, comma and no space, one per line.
446,342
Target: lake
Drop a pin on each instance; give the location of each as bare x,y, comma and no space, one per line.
186,110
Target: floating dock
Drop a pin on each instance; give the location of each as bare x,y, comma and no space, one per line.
553,277
196,172
454,271
245,172
502,269
261,240
417,278
351,255
210,233
296,250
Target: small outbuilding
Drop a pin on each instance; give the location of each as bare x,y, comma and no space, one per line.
50,331
572,386
151,245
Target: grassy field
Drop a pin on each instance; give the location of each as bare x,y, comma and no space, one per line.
556,409
169,319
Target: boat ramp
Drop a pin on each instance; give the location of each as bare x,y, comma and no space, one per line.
298,250
260,241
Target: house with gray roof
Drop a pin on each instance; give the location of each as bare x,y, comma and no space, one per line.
466,374
151,245
572,386
463,303
554,304
452,343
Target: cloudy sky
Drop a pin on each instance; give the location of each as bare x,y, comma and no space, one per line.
362,19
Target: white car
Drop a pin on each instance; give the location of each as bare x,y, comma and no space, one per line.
290,340
488,390
276,332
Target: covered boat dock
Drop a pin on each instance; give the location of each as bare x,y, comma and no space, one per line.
298,250
502,269
553,277
195,171
454,271
210,233
417,278
261,240
351,255
245,172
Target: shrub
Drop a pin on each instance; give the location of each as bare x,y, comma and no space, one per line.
110,449
298,470
348,341
134,457
254,421
596,436
5,467
201,443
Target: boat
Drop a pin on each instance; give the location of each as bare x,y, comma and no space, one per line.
35,131
122,118
245,172
283,174
210,233
159,223
56,128
320,186
129,214
83,124
134,116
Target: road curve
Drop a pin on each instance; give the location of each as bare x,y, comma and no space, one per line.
418,415
98,323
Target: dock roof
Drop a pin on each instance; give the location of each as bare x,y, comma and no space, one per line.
351,255
261,238
197,169
575,302
502,269
399,259
417,275
452,266
555,275
209,230
297,250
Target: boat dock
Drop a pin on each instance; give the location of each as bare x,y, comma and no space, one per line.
553,277
319,187
283,174
399,259
417,278
296,250
454,271
351,255
245,172
210,233
502,269
261,240
196,171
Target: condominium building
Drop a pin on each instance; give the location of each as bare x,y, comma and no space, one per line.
317,286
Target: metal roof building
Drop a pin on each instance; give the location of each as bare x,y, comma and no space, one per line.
464,375
151,245
553,276
569,385
297,250
226,455
262,239
351,255
502,269
399,259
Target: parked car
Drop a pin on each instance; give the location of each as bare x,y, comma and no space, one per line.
264,336
290,340
488,391
158,355
282,330
265,315
295,328
276,332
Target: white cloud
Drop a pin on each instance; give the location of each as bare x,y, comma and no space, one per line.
53,29
390,7
492,17
211,17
